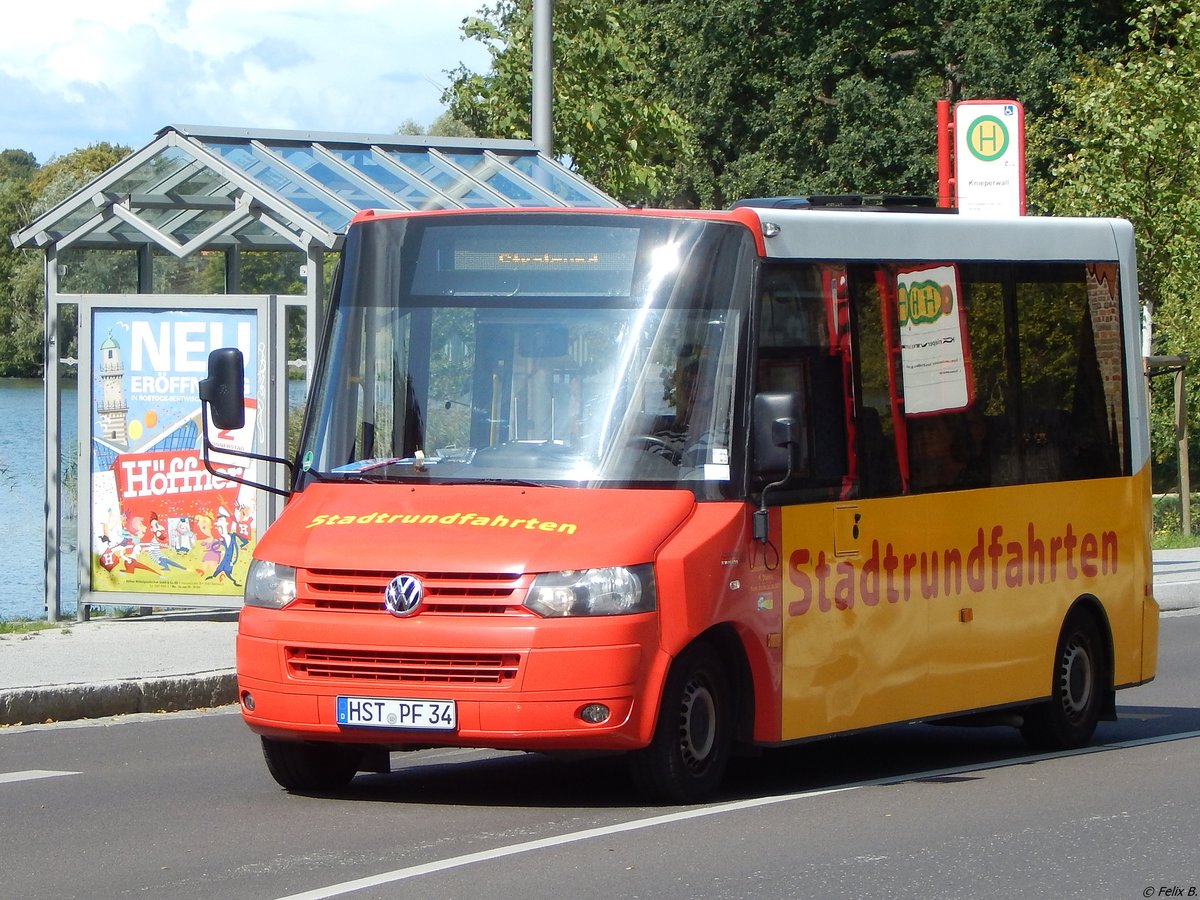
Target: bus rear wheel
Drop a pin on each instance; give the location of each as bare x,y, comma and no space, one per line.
310,766
1068,719
689,753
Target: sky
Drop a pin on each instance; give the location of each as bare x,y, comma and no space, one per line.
77,72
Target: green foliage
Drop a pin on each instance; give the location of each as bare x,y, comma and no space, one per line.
20,345
821,96
25,626
444,125
606,124
25,193
1167,519
786,98
64,175
17,166
700,102
1123,143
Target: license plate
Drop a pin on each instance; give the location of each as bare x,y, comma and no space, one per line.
389,712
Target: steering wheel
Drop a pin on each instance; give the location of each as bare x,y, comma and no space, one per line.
656,445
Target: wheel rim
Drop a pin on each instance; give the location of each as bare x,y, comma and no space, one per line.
697,725
1076,680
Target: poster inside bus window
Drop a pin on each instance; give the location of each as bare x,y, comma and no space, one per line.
934,348
161,523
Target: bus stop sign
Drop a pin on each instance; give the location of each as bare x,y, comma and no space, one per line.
989,157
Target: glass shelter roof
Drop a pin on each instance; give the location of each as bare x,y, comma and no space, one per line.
195,188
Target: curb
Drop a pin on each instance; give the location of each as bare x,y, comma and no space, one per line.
57,703
1173,598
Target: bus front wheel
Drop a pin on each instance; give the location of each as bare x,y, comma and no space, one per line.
1068,719
311,766
689,753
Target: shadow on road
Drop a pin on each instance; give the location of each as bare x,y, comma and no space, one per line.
891,754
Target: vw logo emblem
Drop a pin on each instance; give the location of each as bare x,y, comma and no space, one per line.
403,595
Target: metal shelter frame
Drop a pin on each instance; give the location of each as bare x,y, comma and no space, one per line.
1176,366
204,189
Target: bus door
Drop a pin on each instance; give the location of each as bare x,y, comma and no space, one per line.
853,655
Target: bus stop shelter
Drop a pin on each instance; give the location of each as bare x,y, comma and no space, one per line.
220,195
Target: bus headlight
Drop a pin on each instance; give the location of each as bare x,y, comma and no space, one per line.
270,585
610,591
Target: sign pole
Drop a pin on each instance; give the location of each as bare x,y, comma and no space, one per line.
945,163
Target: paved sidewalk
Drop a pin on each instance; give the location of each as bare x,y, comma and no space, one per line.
109,666
1177,579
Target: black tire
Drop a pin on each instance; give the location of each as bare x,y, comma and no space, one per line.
309,766
1068,719
686,760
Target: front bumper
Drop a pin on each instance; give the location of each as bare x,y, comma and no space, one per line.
517,684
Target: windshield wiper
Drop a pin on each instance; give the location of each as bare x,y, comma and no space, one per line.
366,465
420,463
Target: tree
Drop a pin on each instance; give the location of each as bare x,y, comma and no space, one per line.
822,96
701,102
24,195
444,125
17,357
606,125
17,166
1123,144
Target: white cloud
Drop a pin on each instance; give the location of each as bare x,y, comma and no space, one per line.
77,72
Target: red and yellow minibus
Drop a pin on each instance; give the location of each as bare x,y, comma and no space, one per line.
680,484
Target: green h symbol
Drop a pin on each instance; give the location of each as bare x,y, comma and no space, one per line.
987,138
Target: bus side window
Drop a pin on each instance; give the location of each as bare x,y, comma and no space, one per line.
937,441
798,351
1073,414
879,467
1045,349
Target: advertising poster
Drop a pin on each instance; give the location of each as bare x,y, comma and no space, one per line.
161,523
934,356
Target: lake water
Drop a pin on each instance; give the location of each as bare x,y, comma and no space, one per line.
22,494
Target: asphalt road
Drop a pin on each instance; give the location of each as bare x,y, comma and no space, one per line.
180,806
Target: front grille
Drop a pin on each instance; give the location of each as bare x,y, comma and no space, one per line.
446,593
402,667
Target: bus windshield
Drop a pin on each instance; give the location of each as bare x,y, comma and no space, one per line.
582,351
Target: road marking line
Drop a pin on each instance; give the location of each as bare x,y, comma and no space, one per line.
31,775
454,862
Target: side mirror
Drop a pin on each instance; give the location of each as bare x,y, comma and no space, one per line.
779,445
222,389
223,393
